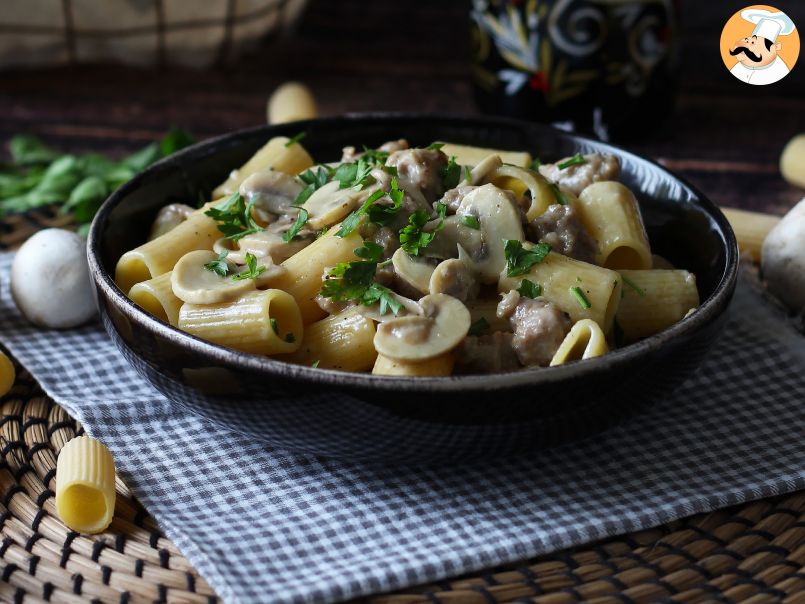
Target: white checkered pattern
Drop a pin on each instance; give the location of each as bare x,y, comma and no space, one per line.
264,525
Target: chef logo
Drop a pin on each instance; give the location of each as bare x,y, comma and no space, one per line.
760,45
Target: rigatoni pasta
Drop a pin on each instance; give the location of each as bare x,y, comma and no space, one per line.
417,262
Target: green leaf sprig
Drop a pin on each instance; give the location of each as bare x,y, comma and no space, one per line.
234,217
413,239
252,270
519,260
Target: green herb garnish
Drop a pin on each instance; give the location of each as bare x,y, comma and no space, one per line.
383,214
467,174
479,327
300,221
234,217
560,197
314,181
274,326
295,139
576,160
315,363
290,338
580,297
529,289
534,166
322,232
355,175
470,221
451,174
412,238
519,260
253,270
219,265
434,146
351,222
639,290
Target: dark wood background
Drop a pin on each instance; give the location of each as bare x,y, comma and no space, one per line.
357,55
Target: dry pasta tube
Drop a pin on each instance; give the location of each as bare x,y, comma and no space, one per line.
7,374
261,322
487,310
303,270
569,283
654,300
468,155
344,341
158,256
750,229
156,296
85,485
585,340
611,215
290,102
275,155
437,366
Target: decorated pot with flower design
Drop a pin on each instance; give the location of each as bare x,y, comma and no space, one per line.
605,67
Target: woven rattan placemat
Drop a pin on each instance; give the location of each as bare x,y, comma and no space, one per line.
752,553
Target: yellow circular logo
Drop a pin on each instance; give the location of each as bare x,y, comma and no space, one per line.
760,45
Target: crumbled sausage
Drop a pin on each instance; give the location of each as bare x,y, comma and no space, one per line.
539,327
561,228
578,177
421,169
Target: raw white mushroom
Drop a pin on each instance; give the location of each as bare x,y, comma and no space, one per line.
50,280
193,283
783,258
413,271
442,326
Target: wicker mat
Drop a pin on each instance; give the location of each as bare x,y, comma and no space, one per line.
752,553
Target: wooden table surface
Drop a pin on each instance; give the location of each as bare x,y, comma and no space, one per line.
724,136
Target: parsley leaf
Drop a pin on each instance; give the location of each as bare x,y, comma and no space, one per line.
274,325
479,327
412,238
370,251
467,174
315,363
295,139
577,293
576,160
290,338
529,289
434,146
534,166
253,270
639,290
219,265
301,219
375,156
470,221
351,222
451,174
520,260
235,218
355,175
383,214
560,197
314,181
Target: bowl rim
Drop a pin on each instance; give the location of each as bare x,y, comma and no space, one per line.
707,311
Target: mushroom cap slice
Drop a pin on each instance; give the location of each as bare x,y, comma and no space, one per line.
271,190
499,219
330,204
193,283
454,278
442,326
415,273
484,168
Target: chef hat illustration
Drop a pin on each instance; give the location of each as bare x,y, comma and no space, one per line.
768,25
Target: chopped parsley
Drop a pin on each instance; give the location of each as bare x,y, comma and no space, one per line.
290,338
383,214
295,139
434,146
412,238
315,363
534,165
375,156
577,293
351,222
314,181
253,271
451,173
355,281
470,221
322,232
274,326
529,289
355,175
467,174
300,221
560,197
479,327
576,160
639,290
519,260
234,217
219,265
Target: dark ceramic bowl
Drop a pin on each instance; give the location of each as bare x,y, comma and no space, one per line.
353,415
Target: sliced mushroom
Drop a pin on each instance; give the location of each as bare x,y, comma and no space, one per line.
414,272
269,243
454,278
330,204
193,283
499,219
442,326
271,190
484,168
172,215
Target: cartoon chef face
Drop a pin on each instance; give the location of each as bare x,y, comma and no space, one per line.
755,51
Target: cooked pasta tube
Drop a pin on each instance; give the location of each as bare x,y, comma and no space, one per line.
156,297
261,322
343,341
291,159
750,229
7,374
468,155
487,310
85,485
654,300
158,256
611,215
542,194
303,270
441,365
584,341
582,290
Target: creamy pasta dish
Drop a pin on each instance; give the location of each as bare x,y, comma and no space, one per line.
431,261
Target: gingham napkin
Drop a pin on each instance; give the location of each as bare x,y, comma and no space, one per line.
264,525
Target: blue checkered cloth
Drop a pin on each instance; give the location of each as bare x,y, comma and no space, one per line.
264,525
